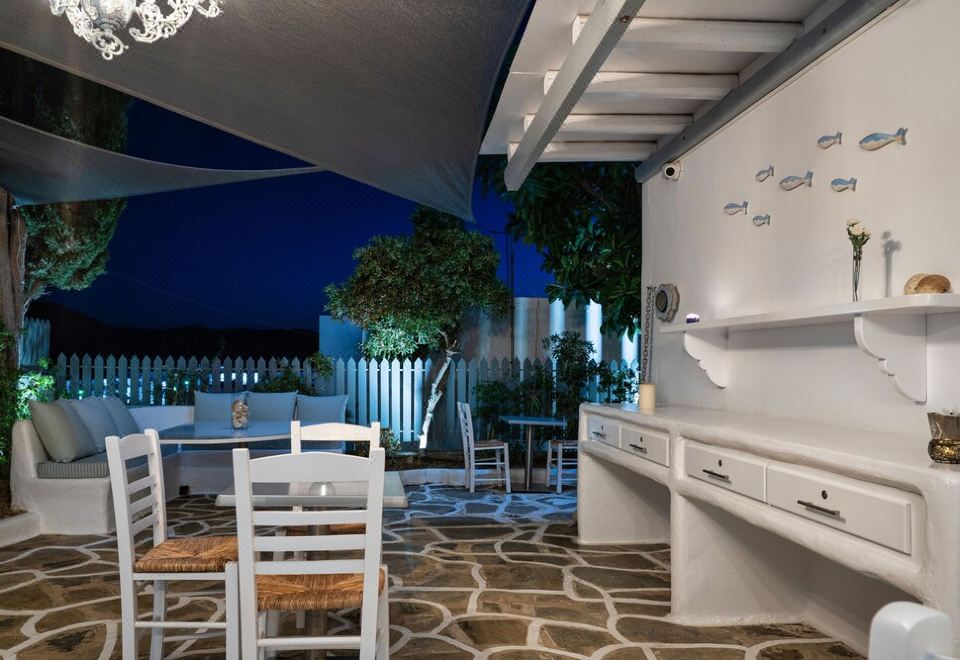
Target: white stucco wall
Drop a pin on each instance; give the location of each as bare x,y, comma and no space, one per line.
900,72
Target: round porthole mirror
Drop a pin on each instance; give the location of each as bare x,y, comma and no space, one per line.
666,300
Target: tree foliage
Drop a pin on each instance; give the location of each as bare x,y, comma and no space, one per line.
67,243
411,293
584,219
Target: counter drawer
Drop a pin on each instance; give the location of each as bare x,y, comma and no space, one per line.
651,445
870,511
727,469
603,430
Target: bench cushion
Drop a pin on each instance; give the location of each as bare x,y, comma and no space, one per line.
122,419
97,420
271,406
63,435
215,406
90,467
321,409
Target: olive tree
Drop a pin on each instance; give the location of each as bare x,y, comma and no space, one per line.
412,293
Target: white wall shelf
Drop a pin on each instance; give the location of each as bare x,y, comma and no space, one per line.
891,330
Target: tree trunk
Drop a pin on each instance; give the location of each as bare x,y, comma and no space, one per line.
13,249
435,393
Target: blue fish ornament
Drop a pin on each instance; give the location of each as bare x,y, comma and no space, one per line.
876,141
763,175
840,184
761,220
791,182
733,208
828,141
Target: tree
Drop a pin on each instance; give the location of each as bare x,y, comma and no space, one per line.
584,219
412,293
57,245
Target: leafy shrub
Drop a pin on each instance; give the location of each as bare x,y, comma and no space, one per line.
287,380
389,441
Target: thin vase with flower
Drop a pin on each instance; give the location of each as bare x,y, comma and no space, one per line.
858,236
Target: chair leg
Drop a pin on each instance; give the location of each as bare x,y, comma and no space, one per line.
231,589
506,465
159,614
128,617
383,624
559,469
473,473
549,463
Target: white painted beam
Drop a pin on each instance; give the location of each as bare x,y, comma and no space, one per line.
714,36
630,85
621,126
607,24
575,152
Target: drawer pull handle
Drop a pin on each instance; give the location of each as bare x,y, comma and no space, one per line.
716,475
833,513
642,450
600,434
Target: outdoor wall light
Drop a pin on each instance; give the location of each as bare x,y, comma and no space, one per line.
96,21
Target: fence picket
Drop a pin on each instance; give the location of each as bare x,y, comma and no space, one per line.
351,391
363,415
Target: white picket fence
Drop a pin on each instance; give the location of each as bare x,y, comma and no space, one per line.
391,392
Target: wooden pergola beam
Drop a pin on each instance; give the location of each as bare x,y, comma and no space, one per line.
574,152
607,24
630,85
625,125
704,35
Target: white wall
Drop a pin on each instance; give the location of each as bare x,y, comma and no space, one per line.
901,72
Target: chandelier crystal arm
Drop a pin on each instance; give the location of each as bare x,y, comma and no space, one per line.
96,21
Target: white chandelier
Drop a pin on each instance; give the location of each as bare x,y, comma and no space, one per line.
97,21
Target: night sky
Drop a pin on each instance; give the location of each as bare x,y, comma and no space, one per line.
255,254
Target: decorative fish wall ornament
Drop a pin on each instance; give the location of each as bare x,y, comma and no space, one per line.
763,175
791,182
828,141
733,208
876,141
840,184
761,220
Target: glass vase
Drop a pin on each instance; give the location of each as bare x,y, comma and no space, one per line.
856,279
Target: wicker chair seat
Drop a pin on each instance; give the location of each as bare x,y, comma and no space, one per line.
189,554
312,592
488,444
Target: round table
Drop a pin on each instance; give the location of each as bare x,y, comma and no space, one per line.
218,433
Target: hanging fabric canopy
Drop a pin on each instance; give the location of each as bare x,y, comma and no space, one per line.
392,93
41,168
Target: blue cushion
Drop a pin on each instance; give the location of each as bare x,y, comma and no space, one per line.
122,418
271,407
211,407
98,421
61,432
322,409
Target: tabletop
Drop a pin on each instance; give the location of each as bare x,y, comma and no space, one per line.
348,494
223,432
525,420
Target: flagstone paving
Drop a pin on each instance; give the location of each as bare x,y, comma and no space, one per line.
478,575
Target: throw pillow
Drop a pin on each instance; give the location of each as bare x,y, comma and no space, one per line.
271,407
58,433
122,418
98,421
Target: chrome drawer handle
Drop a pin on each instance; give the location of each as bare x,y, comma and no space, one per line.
600,434
716,475
642,450
833,513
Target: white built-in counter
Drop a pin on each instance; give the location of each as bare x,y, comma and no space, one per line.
771,519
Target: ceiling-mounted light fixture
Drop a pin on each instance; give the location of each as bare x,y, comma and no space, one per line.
97,21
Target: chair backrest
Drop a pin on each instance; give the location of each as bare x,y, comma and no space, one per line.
466,427
339,549
141,504
332,431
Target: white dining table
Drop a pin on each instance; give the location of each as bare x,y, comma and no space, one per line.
531,422
320,494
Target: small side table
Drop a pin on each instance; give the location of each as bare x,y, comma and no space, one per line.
530,423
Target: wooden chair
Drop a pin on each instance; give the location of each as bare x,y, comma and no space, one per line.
334,582
556,455
140,506
500,460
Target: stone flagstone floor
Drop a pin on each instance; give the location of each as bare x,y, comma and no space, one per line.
472,576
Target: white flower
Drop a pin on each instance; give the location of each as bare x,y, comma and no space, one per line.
866,233
856,230
852,221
